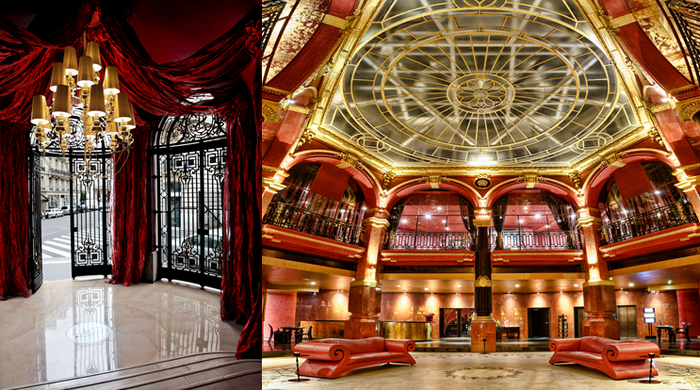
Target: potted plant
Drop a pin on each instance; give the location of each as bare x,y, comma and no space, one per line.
429,317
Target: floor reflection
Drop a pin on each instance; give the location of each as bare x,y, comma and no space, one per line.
148,323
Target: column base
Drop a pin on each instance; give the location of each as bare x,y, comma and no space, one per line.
601,325
362,328
483,329
599,304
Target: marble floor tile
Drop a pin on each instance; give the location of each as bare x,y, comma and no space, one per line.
521,370
148,323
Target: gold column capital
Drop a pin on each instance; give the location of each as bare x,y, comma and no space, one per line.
272,185
588,221
688,183
376,222
483,222
592,283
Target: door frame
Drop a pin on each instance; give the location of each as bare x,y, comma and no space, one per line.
548,322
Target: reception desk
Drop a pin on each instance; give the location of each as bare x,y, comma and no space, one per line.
325,329
407,330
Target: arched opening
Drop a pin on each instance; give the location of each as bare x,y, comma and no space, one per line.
321,200
533,220
431,220
642,199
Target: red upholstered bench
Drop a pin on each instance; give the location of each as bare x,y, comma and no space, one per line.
330,358
620,359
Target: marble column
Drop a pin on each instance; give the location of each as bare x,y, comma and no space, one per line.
365,300
484,326
598,290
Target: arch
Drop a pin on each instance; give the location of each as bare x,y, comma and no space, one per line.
407,188
550,185
601,174
367,182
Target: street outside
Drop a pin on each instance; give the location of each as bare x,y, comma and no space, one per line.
56,247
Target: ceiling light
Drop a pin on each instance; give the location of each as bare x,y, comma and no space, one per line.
521,221
427,215
537,216
517,285
631,284
439,208
669,282
547,226
576,285
426,289
459,285
313,283
404,221
657,192
447,228
364,207
95,101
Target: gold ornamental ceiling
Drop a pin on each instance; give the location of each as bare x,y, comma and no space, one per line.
492,82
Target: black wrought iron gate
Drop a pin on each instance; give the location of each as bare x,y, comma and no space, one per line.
190,156
35,261
90,221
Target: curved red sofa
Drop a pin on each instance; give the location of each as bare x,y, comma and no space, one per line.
620,359
330,358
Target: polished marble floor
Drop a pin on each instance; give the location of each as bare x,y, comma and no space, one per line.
144,323
502,370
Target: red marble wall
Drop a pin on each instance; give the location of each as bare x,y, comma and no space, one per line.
664,303
324,305
509,309
689,309
279,311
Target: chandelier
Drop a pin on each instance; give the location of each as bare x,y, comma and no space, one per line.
105,112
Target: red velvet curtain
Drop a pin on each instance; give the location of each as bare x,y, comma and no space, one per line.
14,211
221,71
129,219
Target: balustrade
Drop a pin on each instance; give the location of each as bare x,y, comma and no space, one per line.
428,241
637,224
301,220
531,240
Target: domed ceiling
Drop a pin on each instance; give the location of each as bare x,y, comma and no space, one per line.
492,82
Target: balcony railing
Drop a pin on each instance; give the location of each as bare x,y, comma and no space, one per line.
428,241
527,241
686,14
640,224
296,218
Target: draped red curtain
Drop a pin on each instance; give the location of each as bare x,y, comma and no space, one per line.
129,200
14,211
221,72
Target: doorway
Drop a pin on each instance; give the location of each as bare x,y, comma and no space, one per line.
627,315
455,322
579,316
538,322
190,157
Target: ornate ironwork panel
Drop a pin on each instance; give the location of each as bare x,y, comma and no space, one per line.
190,155
91,185
35,263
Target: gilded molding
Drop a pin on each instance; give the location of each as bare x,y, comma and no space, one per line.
376,222
689,167
299,109
689,183
364,283
276,91
683,89
478,222
272,185
270,111
485,318
349,160
268,168
613,159
530,179
592,283
334,21
387,178
687,108
483,281
623,20
588,221
434,181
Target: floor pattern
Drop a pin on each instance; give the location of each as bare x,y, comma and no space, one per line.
524,370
